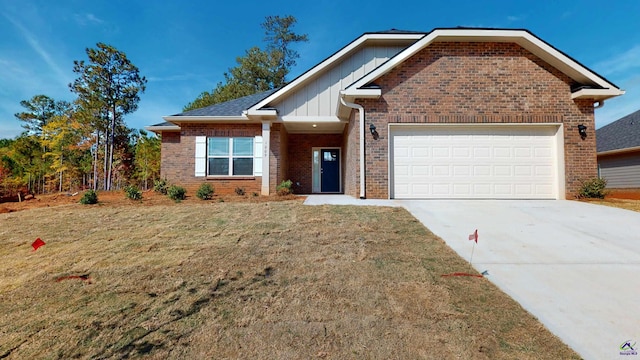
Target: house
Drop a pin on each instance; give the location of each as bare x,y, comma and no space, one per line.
451,113
618,146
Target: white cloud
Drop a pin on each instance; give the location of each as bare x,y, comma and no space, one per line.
88,19
511,18
39,49
620,63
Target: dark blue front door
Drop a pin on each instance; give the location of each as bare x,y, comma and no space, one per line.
330,170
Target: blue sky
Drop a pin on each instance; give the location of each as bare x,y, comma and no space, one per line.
184,47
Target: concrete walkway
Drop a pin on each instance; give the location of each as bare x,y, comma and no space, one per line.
575,266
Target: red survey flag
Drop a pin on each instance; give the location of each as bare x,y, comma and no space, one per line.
474,236
37,244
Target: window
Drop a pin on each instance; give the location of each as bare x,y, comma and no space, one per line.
230,156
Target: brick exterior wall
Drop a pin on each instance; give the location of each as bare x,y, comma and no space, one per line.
474,83
301,152
278,157
351,156
448,82
178,157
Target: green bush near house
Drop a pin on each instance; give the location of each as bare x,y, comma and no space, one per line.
133,192
284,188
90,197
160,186
176,193
205,192
593,189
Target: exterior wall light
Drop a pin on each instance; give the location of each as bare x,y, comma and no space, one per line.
583,131
374,133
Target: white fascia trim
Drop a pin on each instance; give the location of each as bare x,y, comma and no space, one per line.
332,59
354,93
182,119
162,128
311,119
521,37
619,151
261,112
599,94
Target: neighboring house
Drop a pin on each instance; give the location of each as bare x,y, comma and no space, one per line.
619,152
452,113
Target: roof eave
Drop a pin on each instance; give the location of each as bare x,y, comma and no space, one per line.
262,113
596,94
361,93
195,119
159,129
619,151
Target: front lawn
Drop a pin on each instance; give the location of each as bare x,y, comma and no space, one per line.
272,280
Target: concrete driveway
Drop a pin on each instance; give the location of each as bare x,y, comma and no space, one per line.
575,266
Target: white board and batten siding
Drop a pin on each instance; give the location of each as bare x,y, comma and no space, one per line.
318,98
475,162
621,171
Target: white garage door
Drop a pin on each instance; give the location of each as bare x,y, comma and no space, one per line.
479,162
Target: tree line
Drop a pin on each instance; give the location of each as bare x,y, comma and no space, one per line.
68,146
85,144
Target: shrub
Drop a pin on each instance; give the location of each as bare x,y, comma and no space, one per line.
160,186
205,192
176,193
240,191
132,192
593,189
284,188
90,197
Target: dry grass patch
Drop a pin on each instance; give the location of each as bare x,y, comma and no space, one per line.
273,280
628,204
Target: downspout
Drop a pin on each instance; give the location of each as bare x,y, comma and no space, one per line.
362,167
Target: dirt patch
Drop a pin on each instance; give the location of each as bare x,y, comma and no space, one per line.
269,280
117,198
629,194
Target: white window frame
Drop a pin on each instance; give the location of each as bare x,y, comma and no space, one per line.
231,156
202,157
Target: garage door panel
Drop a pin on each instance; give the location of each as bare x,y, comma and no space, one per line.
474,162
420,170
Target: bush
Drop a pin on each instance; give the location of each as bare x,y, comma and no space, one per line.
160,186
205,192
240,191
284,188
90,197
176,193
593,189
132,192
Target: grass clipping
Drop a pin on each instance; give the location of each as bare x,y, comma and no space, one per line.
272,280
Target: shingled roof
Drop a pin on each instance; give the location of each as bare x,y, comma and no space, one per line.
233,107
620,134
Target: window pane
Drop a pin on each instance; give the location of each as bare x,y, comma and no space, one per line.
243,166
218,146
330,155
243,147
218,166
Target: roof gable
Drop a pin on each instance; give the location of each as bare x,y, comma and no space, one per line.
621,134
595,86
389,36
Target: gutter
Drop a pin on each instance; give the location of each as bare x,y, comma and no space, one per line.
362,167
